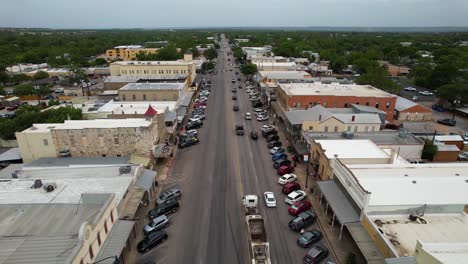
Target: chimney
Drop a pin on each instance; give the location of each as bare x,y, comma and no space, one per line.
353,118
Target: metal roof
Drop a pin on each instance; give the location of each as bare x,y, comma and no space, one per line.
116,241
153,86
170,116
402,260
341,206
70,161
186,99
320,113
146,180
403,103
11,154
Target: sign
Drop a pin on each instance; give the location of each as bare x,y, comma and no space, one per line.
306,158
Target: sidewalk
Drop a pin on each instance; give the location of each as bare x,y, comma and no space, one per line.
338,248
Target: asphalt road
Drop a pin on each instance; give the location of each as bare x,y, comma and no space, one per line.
209,227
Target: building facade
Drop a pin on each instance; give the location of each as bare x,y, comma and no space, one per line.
128,53
152,92
406,110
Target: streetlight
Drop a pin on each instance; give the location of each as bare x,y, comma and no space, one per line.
37,88
116,260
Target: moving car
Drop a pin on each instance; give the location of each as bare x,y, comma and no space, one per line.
316,255
295,196
234,97
427,93
12,108
285,169
270,199
187,142
303,220
299,207
287,178
156,224
168,195
309,238
447,122
169,206
239,130
234,90
151,241
253,135
248,116
281,162
275,150
235,108
274,144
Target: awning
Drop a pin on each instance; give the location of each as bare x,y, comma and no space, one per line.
185,101
161,151
301,148
11,154
278,110
181,112
171,116
365,244
341,206
146,180
116,241
402,260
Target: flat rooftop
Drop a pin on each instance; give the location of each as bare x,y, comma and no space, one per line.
153,86
414,184
128,47
352,149
334,89
285,75
90,124
152,63
147,78
385,137
447,253
440,228
128,107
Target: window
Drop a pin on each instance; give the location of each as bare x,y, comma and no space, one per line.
366,128
101,140
311,128
298,105
387,105
91,253
164,97
144,97
367,103
336,128
355,128
346,105
123,97
373,128
99,238
112,216
133,97
155,97
377,105
46,142
348,128
105,227
325,104
294,104
336,104
325,129
174,97
116,140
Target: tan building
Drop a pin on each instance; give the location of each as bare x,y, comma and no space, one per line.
152,91
168,69
117,82
92,138
406,110
128,53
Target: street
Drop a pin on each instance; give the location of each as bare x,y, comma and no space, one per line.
213,176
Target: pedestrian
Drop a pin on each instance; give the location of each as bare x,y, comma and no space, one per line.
302,231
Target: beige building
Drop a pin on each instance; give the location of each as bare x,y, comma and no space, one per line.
152,91
92,138
169,69
128,53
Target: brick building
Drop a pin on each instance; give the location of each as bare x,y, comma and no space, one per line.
406,110
305,95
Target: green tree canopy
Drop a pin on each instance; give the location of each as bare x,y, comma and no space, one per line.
455,93
249,69
24,89
19,78
379,77
207,66
429,150
211,54
39,75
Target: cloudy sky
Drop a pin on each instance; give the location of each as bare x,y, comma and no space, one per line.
225,13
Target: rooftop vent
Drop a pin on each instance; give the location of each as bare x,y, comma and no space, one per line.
14,174
125,169
50,187
37,184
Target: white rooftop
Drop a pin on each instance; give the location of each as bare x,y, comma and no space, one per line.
448,138
447,253
128,47
440,228
352,149
97,123
145,63
137,107
153,86
282,75
413,184
318,88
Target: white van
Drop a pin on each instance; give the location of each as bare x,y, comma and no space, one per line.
59,90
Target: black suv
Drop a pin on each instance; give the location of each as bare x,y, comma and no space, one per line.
194,124
151,241
269,132
254,135
187,142
167,207
272,137
281,162
303,220
274,144
315,255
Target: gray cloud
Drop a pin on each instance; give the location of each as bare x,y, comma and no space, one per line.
207,13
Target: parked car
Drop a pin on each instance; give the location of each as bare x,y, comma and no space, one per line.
299,207
447,122
285,169
194,124
275,150
12,108
253,135
268,133
309,238
281,162
168,195
463,156
303,220
167,207
290,187
238,79
187,142
278,156
248,116
287,178
262,118
197,106
235,108
274,144
197,117
295,196
411,89
270,199
267,128
272,137
156,224
257,104
151,241
316,255
427,93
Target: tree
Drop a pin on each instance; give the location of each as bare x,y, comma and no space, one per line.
2,91
443,74
429,150
249,69
18,78
100,62
379,77
53,102
79,76
24,89
211,54
338,64
4,77
195,52
207,66
455,93
421,74
39,75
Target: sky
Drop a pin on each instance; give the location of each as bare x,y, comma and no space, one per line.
231,13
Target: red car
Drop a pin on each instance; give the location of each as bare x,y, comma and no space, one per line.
290,187
299,207
12,108
285,169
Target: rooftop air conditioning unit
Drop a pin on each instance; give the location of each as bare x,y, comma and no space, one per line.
37,184
50,187
125,169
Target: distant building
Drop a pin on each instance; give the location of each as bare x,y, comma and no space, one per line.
152,91
311,53
241,40
264,51
406,44
128,52
275,66
406,110
259,60
394,70
321,68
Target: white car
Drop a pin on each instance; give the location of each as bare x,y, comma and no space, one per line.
195,119
287,178
156,224
295,196
425,93
248,116
275,149
205,93
262,118
409,88
270,199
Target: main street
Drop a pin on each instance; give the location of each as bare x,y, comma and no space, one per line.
209,227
